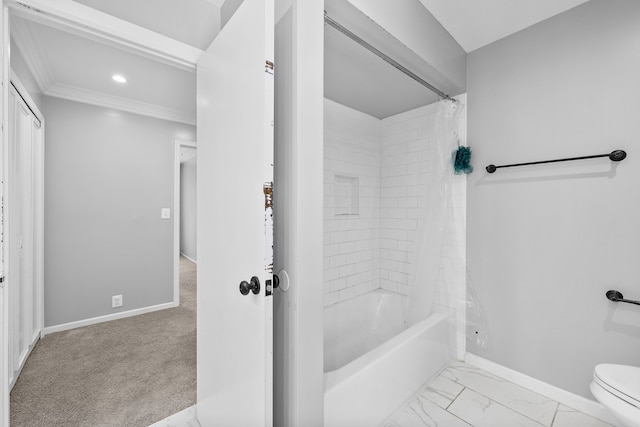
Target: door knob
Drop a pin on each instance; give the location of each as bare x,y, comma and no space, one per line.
253,286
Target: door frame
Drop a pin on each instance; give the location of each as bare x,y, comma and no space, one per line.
4,163
35,259
303,393
179,143
10,78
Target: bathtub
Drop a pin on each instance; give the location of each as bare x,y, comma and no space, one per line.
372,363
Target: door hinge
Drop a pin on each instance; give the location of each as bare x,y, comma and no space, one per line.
268,67
267,189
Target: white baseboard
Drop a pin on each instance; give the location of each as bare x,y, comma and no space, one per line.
107,318
189,258
34,341
574,401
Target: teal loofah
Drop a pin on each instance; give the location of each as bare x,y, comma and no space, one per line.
461,163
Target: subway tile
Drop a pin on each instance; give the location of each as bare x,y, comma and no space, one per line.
339,260
380,154
361,288
404,289
338,284
329,274
326,287
408,202
331,249
330,298
388,285
346,270
346,294
347,247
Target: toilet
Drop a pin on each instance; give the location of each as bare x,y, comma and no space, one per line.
617,387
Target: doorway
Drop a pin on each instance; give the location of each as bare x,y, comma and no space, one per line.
121,181
184,208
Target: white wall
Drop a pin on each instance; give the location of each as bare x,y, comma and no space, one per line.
391,164
409,171
351,202
297,353
546,242
188,206
107,175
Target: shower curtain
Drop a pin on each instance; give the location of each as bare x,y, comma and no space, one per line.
437,212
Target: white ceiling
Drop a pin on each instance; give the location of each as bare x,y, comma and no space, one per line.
194,22
476,23
73,67
356,78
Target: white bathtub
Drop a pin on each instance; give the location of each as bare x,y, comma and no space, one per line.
372,364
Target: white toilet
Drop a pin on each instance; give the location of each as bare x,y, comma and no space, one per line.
617,387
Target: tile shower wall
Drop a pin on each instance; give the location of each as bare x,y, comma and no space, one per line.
351,202
375,175
407,141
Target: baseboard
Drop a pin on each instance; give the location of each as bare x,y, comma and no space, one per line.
34,341
189,258
108,317
564,397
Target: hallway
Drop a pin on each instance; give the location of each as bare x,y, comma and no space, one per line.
133,371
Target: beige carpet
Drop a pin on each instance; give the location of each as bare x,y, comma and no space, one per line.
128,372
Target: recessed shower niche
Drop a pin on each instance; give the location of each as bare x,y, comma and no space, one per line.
346,191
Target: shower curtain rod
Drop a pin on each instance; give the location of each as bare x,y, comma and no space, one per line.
385,58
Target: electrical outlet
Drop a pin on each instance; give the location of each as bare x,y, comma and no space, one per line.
116,301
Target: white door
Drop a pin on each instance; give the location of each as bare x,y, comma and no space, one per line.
235,170
23,288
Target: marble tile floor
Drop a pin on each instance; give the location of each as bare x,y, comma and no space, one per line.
466,396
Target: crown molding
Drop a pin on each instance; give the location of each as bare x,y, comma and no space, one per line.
73,93
25,41
84,21
87,22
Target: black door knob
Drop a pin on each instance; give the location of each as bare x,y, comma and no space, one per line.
253,286
276,281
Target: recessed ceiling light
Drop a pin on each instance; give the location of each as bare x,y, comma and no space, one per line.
118,78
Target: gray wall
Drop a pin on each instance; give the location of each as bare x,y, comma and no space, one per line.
188,206
420,31
546,242
107,175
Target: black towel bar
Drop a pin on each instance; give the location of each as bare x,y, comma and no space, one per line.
614,156
616,296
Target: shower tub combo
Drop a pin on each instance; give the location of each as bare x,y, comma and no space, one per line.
373,362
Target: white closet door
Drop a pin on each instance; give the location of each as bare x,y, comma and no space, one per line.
23,290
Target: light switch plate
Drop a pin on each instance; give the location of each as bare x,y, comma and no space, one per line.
165,213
